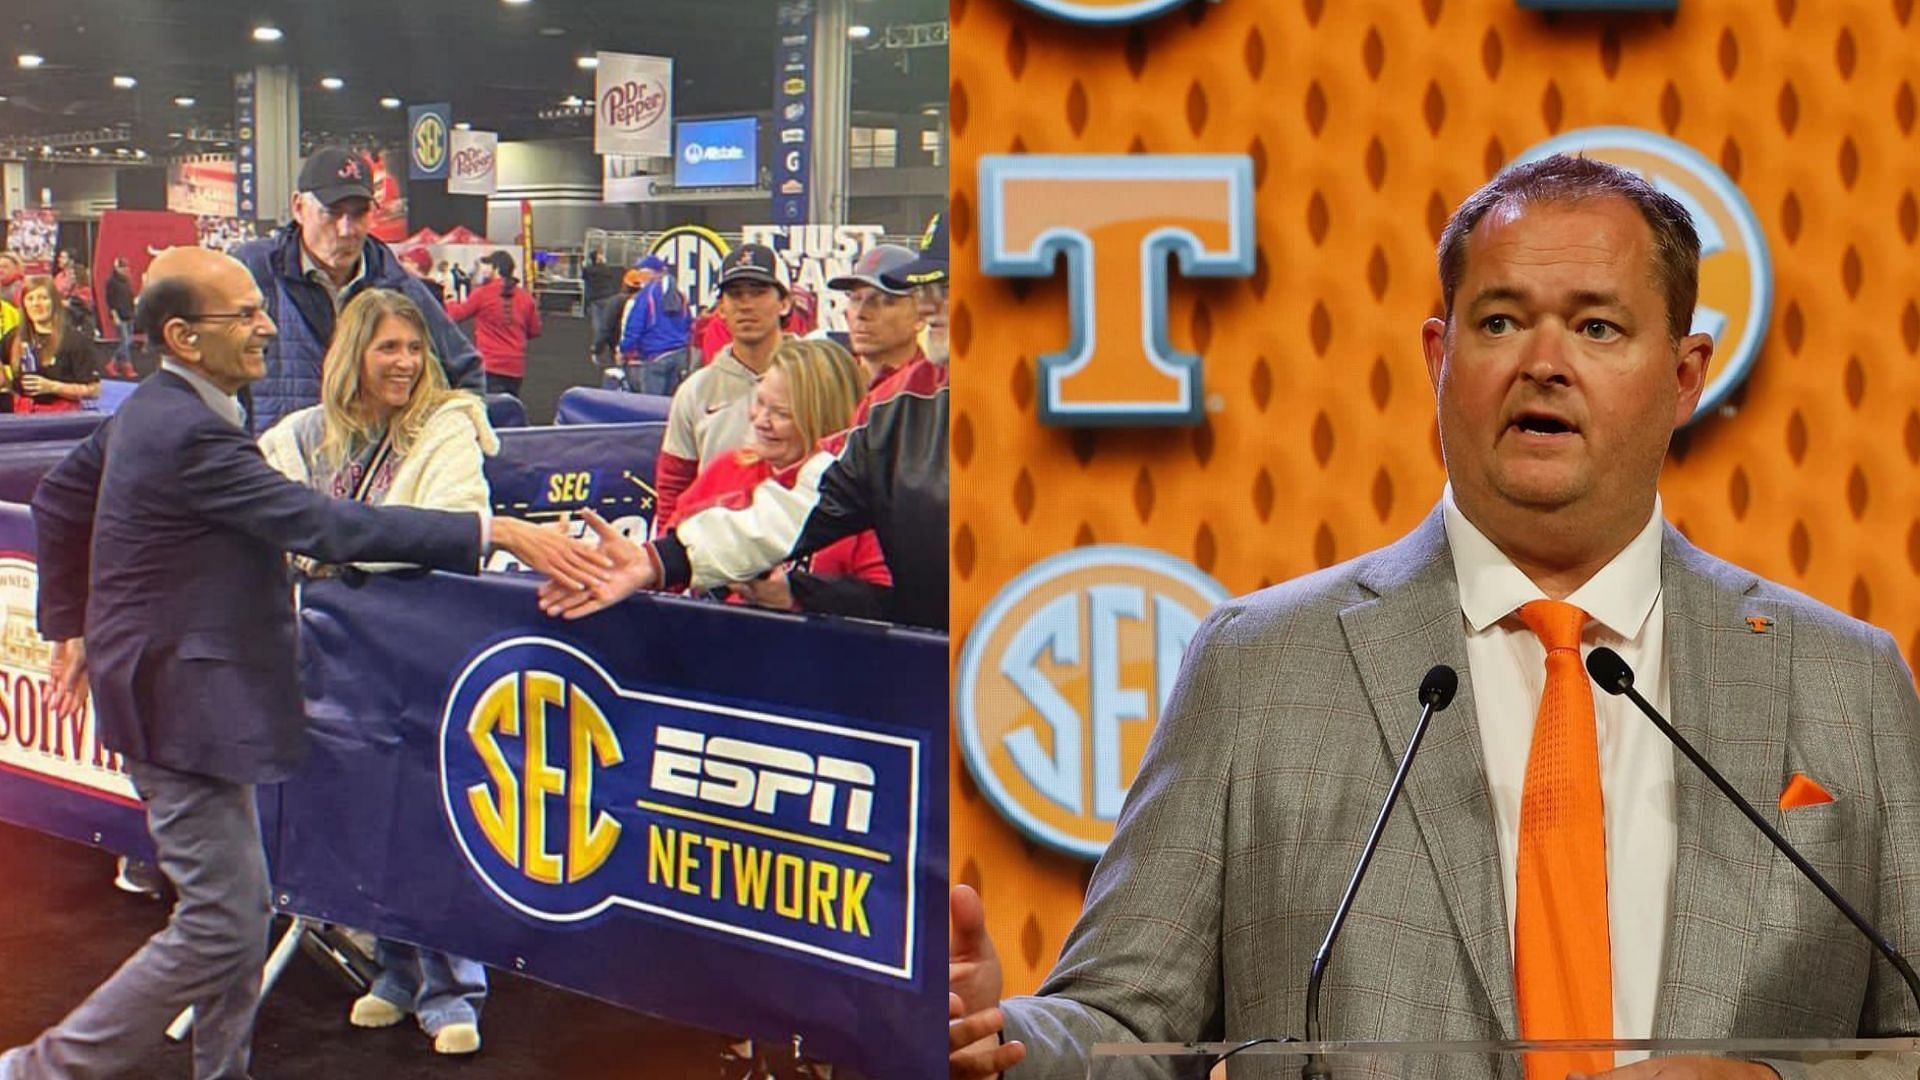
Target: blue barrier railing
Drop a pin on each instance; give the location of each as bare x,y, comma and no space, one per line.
728,817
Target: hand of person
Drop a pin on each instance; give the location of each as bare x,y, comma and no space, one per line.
69,679
550,551
630,570
1685,1068
36,384
974,985
773,591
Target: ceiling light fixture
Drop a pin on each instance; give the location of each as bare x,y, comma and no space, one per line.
516,3
332,82
31,60
586,63
389,102
571,101
859,33
553,31
125,82
267,33
463,126
139,153
184,101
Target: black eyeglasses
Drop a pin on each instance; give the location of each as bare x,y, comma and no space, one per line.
243,315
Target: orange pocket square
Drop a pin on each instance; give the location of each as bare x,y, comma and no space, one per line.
1802,790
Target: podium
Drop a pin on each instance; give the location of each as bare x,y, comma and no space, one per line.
1282,1059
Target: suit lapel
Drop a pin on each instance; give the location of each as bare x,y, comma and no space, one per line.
1729,682
1412,623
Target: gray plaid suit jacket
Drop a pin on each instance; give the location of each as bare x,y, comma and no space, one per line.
1269,764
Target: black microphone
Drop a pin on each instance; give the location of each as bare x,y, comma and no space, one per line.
1436,693
1615,677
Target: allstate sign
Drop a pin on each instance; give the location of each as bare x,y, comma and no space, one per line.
1736,269
570,794
717,153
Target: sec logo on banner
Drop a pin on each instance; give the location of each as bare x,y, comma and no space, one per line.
1062,680
429,142
1103,12
570,795
1736,269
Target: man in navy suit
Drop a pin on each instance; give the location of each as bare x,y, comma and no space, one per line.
164,583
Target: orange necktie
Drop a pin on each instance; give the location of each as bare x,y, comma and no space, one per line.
1562,960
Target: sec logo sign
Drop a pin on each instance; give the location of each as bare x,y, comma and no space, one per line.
429,142
1736,270
1062,680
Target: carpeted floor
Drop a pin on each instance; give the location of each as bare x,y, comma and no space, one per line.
64,928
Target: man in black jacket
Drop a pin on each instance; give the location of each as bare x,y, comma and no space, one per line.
120,310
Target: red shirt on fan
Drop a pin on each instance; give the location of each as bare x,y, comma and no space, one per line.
729,482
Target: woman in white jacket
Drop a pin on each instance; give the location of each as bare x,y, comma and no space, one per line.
389,430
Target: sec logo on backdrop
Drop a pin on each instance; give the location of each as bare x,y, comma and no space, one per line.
1062,680
1103,12
1736,269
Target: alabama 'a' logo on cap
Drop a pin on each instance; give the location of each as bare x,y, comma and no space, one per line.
350,169
1736,269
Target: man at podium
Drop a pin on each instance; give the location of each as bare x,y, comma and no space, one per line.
1551,871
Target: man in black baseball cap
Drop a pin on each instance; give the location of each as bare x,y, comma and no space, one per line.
708,416
927,276
317,263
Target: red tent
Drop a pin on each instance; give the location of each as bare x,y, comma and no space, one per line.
423,237
462,235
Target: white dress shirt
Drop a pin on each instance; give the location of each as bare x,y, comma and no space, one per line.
223,404
1507,664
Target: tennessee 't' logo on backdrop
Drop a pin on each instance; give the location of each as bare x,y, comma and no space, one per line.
1116,218
1736,270
1062,680
1103,12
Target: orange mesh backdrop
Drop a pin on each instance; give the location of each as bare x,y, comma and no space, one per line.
1367,120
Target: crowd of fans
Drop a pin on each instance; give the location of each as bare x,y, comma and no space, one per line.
370,394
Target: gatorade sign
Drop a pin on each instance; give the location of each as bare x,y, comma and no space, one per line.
1062,680
1736,270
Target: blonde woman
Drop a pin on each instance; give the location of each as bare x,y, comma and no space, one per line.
809,391
388,430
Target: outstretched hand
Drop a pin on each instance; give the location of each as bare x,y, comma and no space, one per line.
630,569
974,985
552,553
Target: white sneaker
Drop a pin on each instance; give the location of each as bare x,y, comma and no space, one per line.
138,878
373,1011
457,1039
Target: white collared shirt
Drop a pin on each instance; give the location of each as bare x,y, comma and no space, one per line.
1508,669
223,404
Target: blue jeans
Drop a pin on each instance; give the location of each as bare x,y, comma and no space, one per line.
438,988
123,353
659,374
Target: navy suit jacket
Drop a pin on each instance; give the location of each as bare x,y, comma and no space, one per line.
162,541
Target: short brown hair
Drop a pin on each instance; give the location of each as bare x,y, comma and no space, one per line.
1564,179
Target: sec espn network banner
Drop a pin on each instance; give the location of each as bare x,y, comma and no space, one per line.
633,105
616,806
621,807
